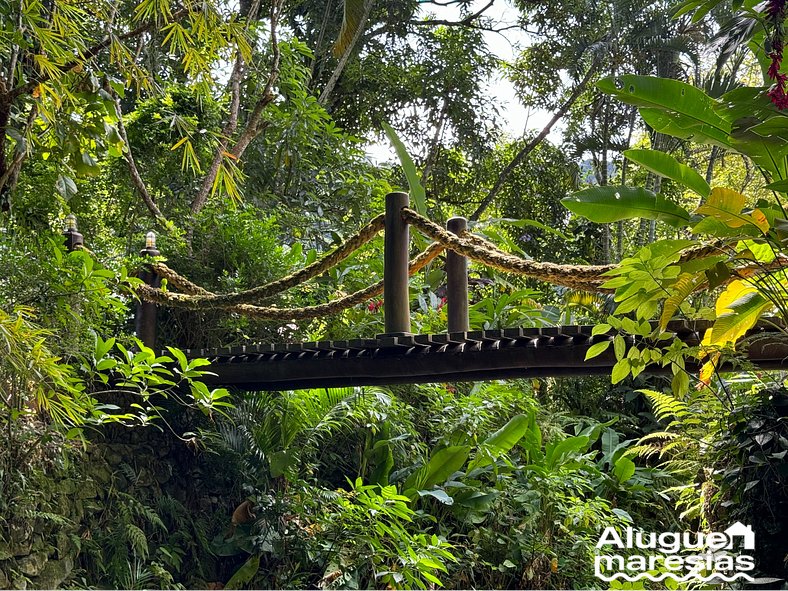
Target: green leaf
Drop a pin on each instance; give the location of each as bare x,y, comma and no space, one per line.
245,574
620,371
779,186
65,186
612,204
557,451
180,356
417,193
684,107
682,127
667,166
441,465
474,499
624,469
280,462
441,495
501,441
597,349
507,436
532,441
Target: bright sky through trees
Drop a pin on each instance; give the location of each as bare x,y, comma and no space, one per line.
504,42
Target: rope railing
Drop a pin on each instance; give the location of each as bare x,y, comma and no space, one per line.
195,297
185,301
398,268
207,299
581,277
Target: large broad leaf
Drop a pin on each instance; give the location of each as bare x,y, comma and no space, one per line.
441,465
351,21
624,469
688,107
532,440
245,574
500,442
417,193
726,206
666,165
738,308
474,499
682,127
507,436
280,462
766,149
611,204
557,451
746,101
781,186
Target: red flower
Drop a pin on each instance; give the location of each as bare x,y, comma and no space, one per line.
775,12
774,8
774,67
375,305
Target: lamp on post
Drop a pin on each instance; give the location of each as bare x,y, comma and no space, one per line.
145,318
73,238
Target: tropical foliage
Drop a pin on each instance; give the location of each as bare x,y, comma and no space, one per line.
249,136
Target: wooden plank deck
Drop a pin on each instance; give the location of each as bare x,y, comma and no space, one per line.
453,357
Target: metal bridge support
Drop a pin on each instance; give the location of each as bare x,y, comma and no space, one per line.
457,281
396,299
145,315
73,238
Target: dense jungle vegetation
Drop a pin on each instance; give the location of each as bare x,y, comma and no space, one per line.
240,134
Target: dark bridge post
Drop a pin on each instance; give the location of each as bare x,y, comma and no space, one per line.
396,299
145,316
457,281
73,238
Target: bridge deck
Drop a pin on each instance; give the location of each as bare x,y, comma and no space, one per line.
453,357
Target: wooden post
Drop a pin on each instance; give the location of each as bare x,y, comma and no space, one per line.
73,238
396,298
145,316
457,281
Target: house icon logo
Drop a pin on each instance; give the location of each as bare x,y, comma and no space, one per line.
739,530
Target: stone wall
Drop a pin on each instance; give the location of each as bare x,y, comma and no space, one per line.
40,543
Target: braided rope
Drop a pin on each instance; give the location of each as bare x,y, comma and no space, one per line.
179,281
582,277
264,292
189,302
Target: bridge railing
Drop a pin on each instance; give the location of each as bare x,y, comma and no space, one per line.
398,267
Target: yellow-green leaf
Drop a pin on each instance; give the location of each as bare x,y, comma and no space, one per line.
726,205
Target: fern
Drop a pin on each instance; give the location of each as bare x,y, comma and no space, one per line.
666,405
58,520
137,540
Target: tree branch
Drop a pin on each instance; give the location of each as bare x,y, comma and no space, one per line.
529,147
332,81
136,178
253,125
227,132
467,21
